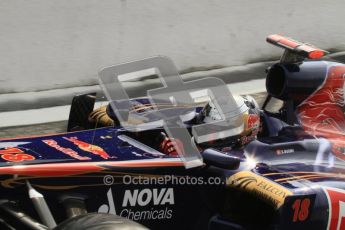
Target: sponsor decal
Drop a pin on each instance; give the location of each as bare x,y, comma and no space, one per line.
147,196
336,214
267,190
253,121
67,151
15,155
142,204
94,149
284,151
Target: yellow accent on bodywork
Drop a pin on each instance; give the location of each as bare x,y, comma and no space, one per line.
267,190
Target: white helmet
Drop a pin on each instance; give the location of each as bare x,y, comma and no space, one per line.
251,121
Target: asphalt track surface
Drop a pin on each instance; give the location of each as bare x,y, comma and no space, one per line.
60,126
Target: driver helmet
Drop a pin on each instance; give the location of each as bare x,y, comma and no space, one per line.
251,123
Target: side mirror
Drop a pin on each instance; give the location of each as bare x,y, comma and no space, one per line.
218,159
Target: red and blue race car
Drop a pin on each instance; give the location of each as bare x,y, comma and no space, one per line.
281,169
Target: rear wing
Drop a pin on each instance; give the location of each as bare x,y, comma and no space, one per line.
295,51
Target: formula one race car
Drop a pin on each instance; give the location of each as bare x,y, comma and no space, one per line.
188,155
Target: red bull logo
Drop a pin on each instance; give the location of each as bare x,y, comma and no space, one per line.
94,149
66,151
253,121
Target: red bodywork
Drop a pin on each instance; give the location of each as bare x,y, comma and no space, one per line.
322,114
